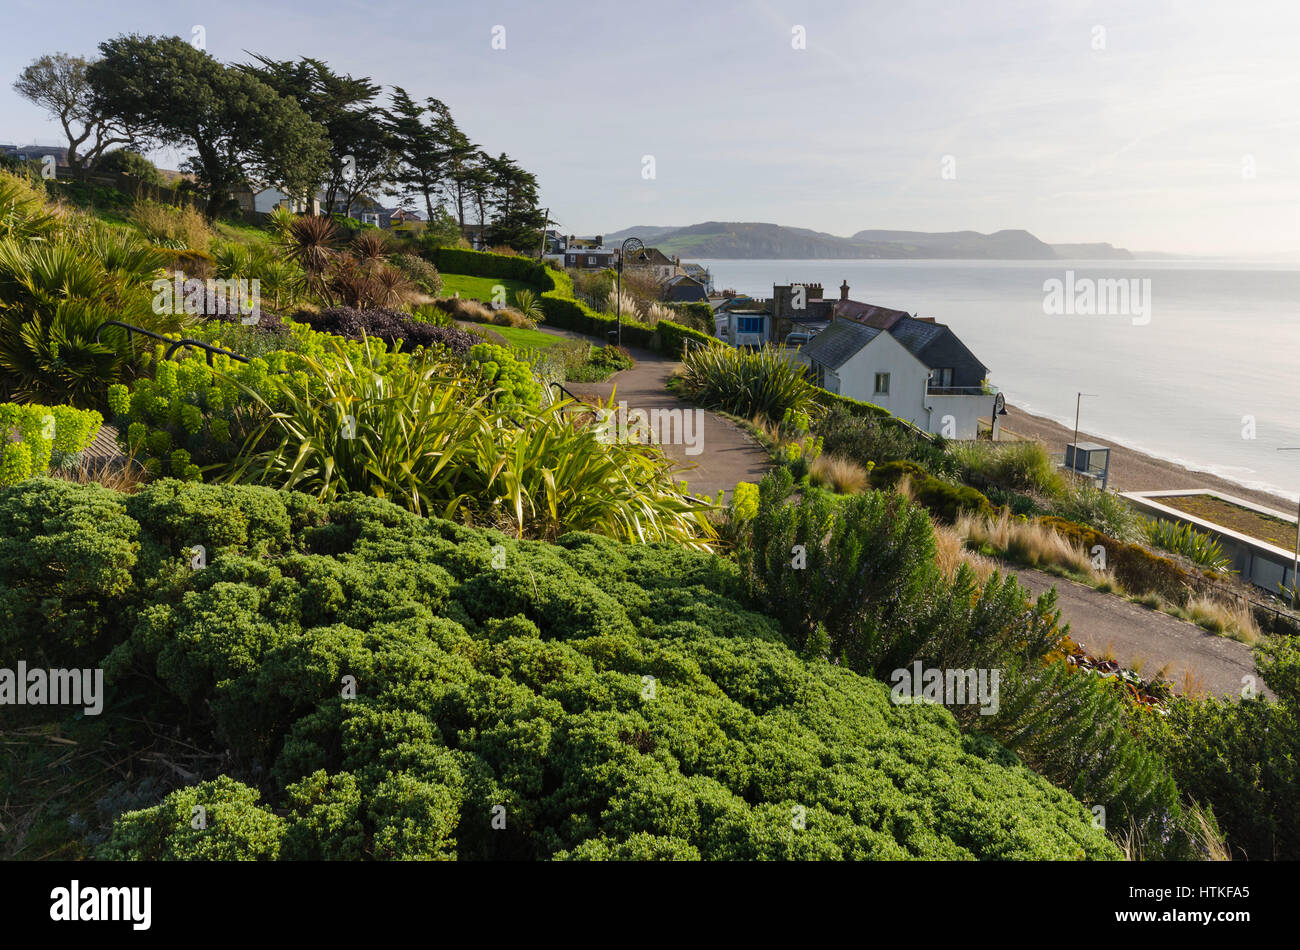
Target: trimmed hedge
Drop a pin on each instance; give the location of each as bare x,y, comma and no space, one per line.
944,500
558,303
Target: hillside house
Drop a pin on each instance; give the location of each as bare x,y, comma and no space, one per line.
916,368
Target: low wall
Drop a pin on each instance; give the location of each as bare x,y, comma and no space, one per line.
1263,564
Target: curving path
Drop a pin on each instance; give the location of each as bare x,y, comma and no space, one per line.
1194,659
728,454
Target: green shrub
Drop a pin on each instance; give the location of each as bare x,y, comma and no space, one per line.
1104,511
1196,546
1238,756
34,437
419,272
502,708
864,582
766,383
512,379
1024,466
212,821
944,500
1137,569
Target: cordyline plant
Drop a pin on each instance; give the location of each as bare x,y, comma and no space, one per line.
767,382
435,439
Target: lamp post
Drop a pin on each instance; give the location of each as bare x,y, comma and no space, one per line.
999,409
630,246
1077,400
1295,562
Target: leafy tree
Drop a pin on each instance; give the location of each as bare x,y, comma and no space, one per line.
513,197
127,162
240,128
60,84
356,128
417,132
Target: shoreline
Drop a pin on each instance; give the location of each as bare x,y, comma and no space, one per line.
1130,469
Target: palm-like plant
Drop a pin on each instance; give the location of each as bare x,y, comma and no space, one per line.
23,212
422,433
310,241
530,305
55,295
767,382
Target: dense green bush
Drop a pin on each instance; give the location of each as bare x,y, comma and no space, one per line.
400,687
511,378
1239,756
1103,511
1022,466
944,500
863,585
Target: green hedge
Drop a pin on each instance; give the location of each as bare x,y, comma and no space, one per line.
558,303
454,260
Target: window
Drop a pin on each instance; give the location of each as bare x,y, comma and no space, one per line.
942,377
591,261
882,384
749,324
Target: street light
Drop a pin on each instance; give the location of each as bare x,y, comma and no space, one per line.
1077,400
630,246
1295,563
999,409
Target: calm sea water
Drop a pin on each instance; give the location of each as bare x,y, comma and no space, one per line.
1221,348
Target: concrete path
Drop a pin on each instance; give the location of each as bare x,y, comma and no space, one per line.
1194,660
720,454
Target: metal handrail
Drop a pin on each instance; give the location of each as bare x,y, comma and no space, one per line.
565,391
131,329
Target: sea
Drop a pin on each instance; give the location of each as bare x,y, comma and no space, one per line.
1194,362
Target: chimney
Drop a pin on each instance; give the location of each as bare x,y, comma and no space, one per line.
844,290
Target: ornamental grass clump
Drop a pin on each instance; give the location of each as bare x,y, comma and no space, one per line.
766,382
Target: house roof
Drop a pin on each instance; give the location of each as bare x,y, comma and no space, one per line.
651,255
835,345
915,334
882,318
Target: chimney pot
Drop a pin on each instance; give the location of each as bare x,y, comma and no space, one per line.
844,290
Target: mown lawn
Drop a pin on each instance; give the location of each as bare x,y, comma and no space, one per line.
480,288
521,337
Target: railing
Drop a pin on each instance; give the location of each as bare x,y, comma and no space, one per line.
186,342
932,390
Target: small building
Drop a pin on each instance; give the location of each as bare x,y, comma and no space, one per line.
590,258
747,327
266,198
701,274
651,259
917,369
684,289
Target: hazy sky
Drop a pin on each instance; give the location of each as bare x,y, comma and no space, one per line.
1182,133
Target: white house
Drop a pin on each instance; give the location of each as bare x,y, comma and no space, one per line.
917,369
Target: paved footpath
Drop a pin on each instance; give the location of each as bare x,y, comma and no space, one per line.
728,453
1135,634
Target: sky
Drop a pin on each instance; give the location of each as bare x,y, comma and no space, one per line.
1157,126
